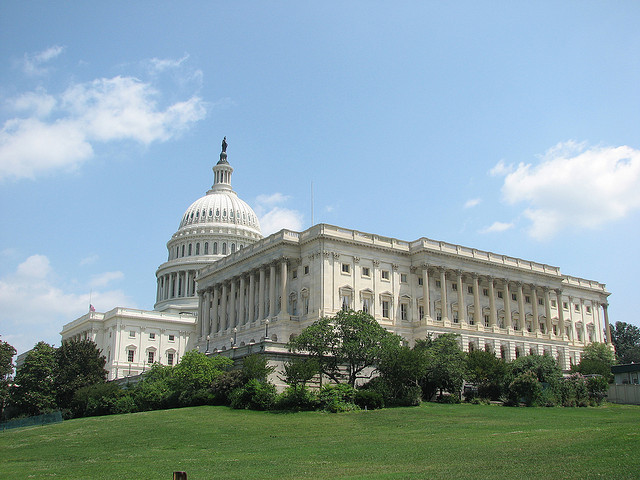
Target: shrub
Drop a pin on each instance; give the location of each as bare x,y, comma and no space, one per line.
369,399
547,398
597,388
255,395
297,398
525,388
224,384
97,399
337,398
154,393
451,399
572,391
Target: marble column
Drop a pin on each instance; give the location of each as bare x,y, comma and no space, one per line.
444,305
261,294
561,325
233,320
284,300
535,324
241,300
547,311
272,290
607,325
215,314
252,298
477,309
508,322
462,311
224,319
522,316
425,291
493,314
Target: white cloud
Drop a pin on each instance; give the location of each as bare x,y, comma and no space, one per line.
497,227
90,260
32,63
472,202
500,169
162,64
103,279
574,186
35,303
274,218
60,131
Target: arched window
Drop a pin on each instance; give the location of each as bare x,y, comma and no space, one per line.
197,249
215,248
233,247
183,250
189,249
206,248
224,248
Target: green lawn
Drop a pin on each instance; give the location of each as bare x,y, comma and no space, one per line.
430,441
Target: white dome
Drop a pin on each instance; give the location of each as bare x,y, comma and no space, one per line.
222,209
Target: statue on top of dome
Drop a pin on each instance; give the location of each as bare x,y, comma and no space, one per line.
224,145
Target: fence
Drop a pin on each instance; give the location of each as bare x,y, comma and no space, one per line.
629,394
44,419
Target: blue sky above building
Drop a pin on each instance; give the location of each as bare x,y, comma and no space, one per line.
508,127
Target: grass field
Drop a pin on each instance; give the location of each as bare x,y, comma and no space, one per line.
430,441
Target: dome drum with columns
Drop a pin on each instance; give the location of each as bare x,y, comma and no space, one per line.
215,225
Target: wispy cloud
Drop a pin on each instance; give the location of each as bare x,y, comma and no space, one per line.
32,63
104,279
472,202
497,227
575,186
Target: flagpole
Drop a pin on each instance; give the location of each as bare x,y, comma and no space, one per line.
90,294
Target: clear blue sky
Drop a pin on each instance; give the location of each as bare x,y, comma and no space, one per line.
506,126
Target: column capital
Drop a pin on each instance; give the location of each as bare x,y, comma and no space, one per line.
558,291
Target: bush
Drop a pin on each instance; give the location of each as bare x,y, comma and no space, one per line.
547,398
597,388
297,398
525,388
97,399
451,399
255,395
224,384
369,399
400,396
154,393
337,398
572,391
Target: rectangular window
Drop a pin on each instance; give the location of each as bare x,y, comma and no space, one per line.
169,358
438,284
439,316
403,278
420,281
485,292
470,290
565,306
455,317
366,305
130,355
366,272
421,311
514,297
385,309
152,336
472,321
346,268
150,357
132,334
306,269
346,302
577,307
540,301
486,320
527,299
454,287
172,338
404,311
384,274
553,303
294,274
500,294
588,309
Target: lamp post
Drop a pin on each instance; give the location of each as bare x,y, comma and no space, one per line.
266,329
208,338
235,336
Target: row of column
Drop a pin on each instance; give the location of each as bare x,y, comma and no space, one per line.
520,299
244,299
176,285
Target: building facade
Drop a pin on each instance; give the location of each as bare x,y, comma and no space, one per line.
276,287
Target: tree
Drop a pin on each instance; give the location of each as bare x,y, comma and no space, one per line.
446,365
34,390
194,376
6,370
256,367
345,346
79,363
626,339
597,358
487,372
544,367
401,371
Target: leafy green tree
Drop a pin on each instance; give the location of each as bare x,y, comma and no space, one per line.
487,372
6,370
401,371
79,363
544,367
626,339
194,375
299,371
348,346
597,358
446,365
34,390
256,367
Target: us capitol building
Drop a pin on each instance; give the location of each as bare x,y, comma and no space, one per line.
225,289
